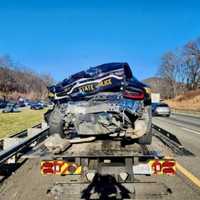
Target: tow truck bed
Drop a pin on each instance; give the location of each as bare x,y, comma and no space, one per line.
98,149
108,169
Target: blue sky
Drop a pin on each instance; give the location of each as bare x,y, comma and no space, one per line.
65,36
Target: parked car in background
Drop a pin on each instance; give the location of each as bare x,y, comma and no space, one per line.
21,104
160,109
36,106
42,103
10,107
3,104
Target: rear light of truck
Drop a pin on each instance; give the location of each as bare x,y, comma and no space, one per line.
163,167
60,167
156,167
135,95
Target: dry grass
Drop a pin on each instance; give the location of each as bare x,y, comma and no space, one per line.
187,101
11,123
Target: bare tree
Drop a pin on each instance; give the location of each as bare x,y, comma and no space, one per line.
48,79
181,69
192,63
168,71
15,78
6,78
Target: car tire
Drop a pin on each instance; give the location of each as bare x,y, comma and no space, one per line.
147,137
56,122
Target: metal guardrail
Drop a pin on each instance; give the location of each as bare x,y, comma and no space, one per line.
19,147
171,141
24,132
20,134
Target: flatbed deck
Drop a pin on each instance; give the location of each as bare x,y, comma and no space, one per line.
98,148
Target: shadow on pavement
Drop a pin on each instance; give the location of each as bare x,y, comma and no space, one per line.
106,187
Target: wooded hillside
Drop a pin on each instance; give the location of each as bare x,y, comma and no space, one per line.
18,81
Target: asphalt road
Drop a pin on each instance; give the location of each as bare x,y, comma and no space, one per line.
28,184
188,121
187,130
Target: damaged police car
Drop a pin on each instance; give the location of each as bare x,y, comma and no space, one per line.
103,100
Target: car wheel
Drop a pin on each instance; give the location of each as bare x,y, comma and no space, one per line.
56,122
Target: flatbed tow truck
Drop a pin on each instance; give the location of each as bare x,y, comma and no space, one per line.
103,101
103,169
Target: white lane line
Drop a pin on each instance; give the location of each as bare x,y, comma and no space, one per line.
190,130
175,123
182,127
